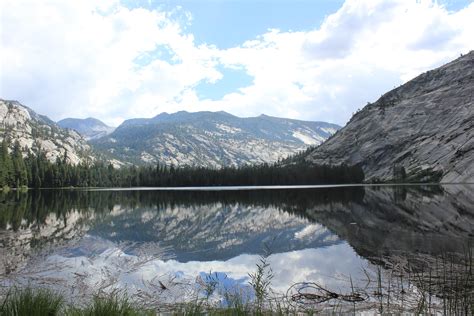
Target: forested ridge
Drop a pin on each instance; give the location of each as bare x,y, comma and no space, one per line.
36,171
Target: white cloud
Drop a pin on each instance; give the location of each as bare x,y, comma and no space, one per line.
71,58
358,53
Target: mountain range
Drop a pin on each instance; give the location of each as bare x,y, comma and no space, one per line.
422,131
211,139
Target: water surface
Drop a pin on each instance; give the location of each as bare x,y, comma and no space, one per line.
161,244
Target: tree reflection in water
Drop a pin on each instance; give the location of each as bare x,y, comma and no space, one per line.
395,247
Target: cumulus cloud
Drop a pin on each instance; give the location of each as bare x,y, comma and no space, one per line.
358,53
73,58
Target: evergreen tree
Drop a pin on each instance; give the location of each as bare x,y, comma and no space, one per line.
7,165
19,167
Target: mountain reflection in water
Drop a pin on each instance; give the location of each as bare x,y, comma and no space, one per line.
132,239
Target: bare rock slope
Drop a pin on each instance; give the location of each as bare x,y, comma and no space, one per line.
423,129
36,132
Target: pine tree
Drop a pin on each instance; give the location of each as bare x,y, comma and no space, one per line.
19,168
8,177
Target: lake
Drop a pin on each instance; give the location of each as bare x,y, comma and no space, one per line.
361,247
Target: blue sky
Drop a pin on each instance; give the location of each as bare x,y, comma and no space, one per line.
313,60
229,23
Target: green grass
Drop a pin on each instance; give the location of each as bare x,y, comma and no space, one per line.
113,305
29,302
44,302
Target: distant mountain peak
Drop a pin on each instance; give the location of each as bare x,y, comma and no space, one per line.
89,128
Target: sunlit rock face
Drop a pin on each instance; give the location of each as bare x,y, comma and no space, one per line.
38,133
424,126
211,139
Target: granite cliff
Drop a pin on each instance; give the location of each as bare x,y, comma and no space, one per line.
35,132
421,131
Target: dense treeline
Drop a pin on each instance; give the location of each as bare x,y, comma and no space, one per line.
36,171
250,175
13,170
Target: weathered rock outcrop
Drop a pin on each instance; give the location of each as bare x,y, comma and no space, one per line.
424,129
35,133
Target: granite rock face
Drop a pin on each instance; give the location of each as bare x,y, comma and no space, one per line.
36,133
422,130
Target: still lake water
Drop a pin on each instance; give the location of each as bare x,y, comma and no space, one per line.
161,245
